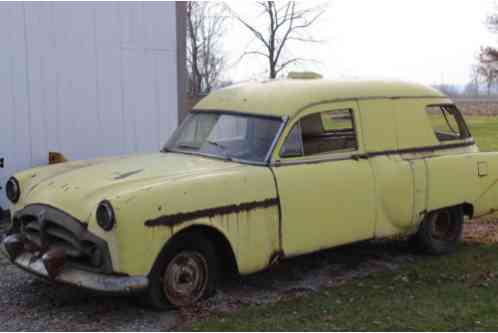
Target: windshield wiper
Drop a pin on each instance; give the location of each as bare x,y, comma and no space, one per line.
222,149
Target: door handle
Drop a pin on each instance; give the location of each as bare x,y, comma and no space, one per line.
358,157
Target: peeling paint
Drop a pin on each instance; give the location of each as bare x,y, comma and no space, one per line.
174,219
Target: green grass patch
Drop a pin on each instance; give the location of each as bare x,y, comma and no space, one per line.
485,132
456,292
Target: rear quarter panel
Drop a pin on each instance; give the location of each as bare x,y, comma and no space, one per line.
464,178
452,180
487,173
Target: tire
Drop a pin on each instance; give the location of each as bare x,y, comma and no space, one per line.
185,272
440,231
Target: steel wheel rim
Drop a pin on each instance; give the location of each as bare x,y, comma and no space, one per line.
185,278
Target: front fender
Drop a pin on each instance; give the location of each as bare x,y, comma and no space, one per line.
240,203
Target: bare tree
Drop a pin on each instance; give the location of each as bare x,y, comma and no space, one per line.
472,87
488,67
205,61
492,22
486,71
282,23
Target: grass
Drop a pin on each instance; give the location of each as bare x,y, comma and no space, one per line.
455,292
485,132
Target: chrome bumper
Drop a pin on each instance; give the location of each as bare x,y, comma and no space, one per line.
88,280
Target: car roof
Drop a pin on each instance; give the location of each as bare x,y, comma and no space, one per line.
289,96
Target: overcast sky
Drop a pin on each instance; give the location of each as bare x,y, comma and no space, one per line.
427,41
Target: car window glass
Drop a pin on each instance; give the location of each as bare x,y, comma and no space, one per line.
447,122
229,136
194,132
293,146
229,128
327,132
321,133
338,120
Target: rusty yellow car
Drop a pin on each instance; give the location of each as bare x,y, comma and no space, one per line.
256,173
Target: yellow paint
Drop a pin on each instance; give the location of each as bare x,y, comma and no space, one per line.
320,201
287,97
166,184
325,200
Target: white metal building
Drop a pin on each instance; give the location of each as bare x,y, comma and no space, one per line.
87,80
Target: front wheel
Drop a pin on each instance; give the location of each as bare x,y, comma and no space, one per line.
184,273
440,231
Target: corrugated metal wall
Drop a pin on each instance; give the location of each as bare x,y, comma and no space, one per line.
85,79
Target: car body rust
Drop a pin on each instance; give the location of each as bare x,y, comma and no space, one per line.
175,219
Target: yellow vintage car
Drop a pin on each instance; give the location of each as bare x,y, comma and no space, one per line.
256,173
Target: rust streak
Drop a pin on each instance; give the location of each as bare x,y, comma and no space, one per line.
174,219
127,174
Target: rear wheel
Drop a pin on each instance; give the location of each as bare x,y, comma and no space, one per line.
441,231
185,272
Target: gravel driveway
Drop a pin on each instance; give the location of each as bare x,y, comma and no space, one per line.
31,304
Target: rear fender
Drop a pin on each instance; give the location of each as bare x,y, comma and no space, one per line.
470,179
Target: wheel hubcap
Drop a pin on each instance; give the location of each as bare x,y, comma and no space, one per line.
185,278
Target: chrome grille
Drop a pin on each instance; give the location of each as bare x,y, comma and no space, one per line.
47,228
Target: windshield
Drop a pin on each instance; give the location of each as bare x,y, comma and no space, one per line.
224,135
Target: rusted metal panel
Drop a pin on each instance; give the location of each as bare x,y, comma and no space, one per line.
171,220
53,261
84,279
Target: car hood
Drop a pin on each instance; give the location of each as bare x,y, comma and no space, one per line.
77,187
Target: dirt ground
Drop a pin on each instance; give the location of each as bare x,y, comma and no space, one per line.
28,303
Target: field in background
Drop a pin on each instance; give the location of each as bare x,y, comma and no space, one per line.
485,131
478,107
482,119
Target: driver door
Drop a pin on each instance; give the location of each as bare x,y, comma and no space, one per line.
326,186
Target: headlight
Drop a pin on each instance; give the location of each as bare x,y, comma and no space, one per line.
13,190
105,215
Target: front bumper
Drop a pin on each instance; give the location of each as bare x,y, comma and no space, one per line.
76,277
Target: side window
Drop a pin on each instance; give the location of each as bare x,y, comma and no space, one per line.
293,146
447,122
321,133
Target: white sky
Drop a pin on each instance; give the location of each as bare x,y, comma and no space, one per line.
427,41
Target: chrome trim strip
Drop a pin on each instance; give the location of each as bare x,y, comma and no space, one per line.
328,158
367,155
285,120
84,279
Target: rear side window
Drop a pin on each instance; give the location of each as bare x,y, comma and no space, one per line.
321,133
447,122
